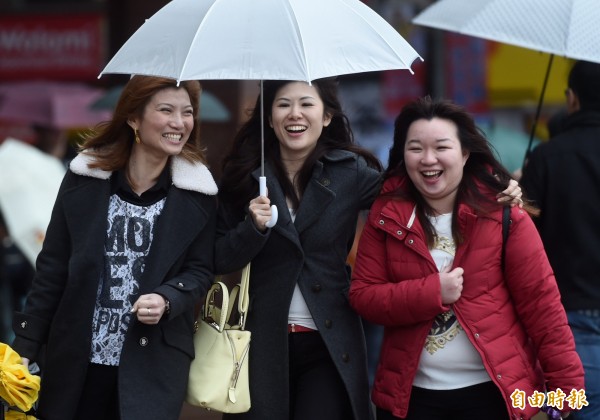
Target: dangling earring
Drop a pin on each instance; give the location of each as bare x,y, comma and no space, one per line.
137,136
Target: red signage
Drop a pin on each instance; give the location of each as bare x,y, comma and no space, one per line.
466,71
51,47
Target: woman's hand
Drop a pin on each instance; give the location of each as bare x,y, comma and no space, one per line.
260,211
149,308
25,362
511,194
451,283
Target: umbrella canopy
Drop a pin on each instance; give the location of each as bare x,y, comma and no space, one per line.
29,183
566,28
262,40
51,104
212,109
18,387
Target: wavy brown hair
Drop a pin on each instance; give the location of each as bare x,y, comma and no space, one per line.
111,141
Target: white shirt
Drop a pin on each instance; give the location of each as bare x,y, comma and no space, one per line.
299,314
128,240
448,359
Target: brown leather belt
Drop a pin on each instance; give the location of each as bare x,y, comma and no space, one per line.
294,328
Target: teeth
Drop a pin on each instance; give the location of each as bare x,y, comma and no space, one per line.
431,173
296,128
176,137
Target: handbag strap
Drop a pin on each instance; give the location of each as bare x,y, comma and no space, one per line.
244,298
220,317
505,231
240,292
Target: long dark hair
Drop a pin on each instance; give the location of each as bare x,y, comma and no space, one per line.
483,175
238,186
111,141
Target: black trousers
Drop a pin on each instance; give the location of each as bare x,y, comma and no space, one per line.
481,401
316,389
100,396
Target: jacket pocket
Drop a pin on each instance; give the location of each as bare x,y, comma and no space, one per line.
180,340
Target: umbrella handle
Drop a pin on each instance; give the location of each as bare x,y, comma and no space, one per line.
274,212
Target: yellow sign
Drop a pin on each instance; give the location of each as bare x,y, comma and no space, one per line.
516,77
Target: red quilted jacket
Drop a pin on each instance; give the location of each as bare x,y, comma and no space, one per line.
515,321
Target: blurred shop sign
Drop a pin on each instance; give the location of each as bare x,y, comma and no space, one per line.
516,76
466,71
65,47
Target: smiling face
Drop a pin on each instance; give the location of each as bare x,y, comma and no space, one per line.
166,123
434,161
298,117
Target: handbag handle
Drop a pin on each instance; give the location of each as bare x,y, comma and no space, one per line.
211,311
219,318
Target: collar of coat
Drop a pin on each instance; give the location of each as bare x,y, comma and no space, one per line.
192,176
337,155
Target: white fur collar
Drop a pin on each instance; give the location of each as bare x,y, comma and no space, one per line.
185,174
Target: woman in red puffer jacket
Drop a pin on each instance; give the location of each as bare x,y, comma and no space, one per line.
464,337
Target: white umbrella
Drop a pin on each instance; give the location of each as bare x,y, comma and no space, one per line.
29,182
568,28
262,40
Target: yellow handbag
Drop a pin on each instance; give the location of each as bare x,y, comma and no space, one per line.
218,378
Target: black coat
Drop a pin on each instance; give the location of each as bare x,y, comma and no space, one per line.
563,178
58,315
312,251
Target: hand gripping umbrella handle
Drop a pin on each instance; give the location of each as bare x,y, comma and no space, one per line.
263,192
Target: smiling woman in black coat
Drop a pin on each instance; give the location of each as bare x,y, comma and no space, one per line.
128,251
299,275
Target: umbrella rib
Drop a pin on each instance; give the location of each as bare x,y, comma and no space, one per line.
204,19
301,40
448,27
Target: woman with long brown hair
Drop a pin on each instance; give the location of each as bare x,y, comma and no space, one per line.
128,251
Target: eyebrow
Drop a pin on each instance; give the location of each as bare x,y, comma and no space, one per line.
419,141
173,105
284,98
